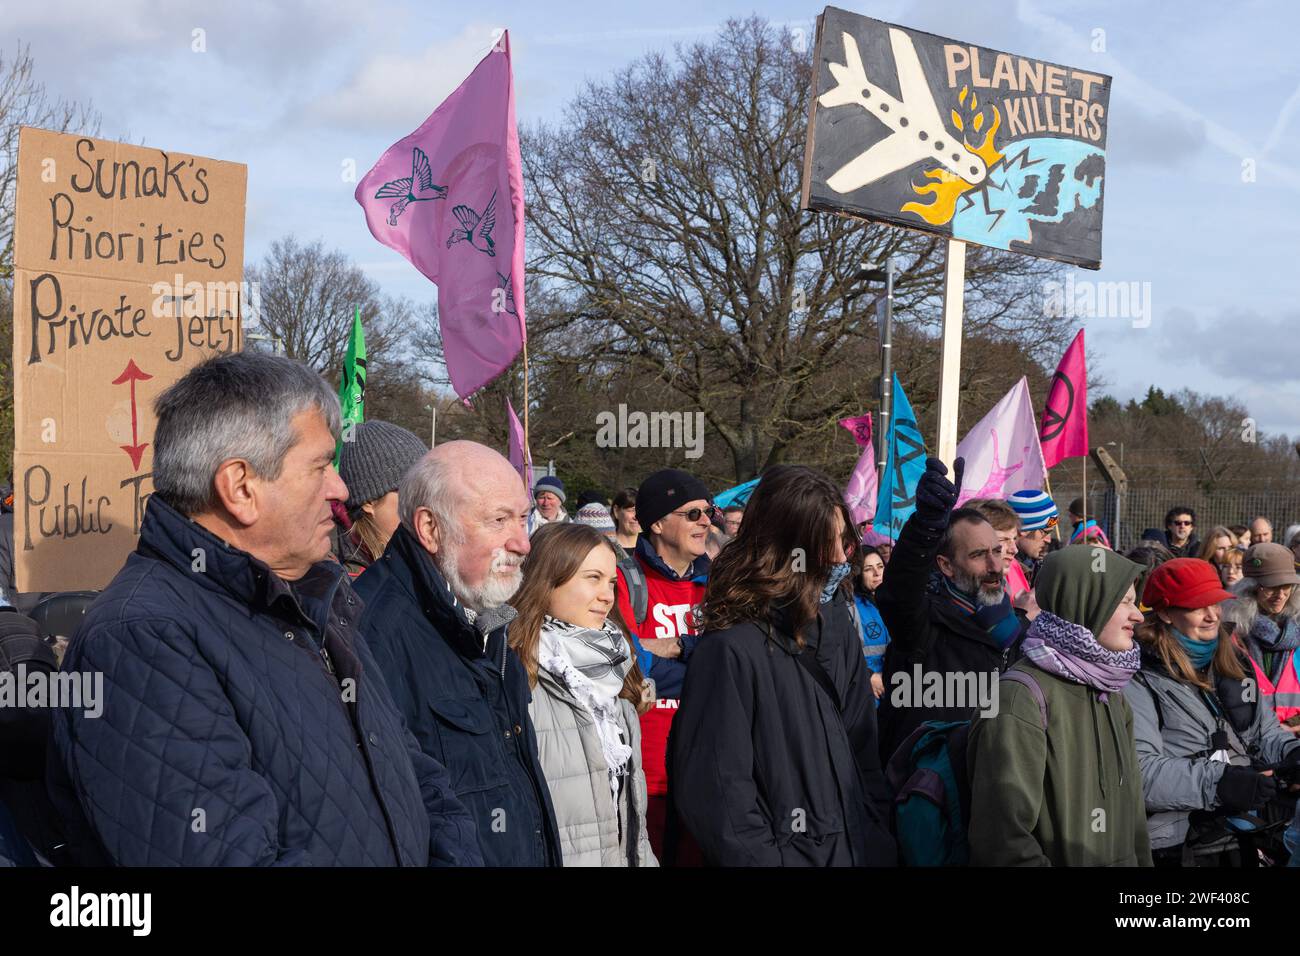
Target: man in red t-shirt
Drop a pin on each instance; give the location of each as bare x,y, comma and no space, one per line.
674,512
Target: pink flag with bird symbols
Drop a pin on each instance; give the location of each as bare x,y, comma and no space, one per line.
1002,452
450,198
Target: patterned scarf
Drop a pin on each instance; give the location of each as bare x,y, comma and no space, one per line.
1266,632
838,573
1071,652
999,620
591,664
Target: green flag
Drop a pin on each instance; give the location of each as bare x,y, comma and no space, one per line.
352,384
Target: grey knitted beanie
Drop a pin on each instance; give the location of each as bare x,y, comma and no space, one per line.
373,462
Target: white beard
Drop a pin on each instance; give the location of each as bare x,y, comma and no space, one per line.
495,591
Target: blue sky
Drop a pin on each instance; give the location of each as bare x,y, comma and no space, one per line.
296,89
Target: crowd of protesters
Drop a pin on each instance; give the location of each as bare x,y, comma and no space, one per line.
417,660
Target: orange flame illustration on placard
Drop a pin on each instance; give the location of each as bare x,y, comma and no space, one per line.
945,187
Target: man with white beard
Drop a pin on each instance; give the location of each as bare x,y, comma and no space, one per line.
436,617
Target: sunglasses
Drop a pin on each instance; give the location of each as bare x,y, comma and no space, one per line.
1182,523
695,513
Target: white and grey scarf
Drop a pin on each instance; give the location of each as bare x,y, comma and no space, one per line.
591,664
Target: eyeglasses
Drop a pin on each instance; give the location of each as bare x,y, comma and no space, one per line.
695,513
1182,523
1275,590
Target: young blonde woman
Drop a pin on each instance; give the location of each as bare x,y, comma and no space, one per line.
587,696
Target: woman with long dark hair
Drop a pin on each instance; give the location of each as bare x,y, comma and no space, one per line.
587,692
773,758
871,626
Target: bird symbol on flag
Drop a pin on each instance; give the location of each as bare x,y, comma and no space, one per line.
475,229
405,189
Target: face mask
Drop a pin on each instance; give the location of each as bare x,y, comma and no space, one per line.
838,573
1200,653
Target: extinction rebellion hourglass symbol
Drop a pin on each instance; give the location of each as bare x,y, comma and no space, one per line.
1054,419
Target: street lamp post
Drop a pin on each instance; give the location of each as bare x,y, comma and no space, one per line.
885,388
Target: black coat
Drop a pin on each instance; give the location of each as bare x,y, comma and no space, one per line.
762,768
24,731
466,703
926,628
227,737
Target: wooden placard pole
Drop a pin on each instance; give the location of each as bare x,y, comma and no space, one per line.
954,283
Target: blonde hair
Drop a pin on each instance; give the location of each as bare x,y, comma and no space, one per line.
367,536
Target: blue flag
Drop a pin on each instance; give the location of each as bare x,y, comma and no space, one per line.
738,495
903,468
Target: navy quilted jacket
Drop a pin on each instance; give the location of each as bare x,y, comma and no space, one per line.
227,736
467,703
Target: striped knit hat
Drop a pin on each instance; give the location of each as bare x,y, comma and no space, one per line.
595,515
1035,508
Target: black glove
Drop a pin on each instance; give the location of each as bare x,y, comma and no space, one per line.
1242,788
936,496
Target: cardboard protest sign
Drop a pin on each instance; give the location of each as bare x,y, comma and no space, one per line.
127,270
957,140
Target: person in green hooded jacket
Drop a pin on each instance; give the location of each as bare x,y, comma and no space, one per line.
1059,784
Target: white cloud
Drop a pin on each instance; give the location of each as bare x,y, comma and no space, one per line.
397,90
1129,85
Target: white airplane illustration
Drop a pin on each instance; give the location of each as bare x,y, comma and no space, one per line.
918,132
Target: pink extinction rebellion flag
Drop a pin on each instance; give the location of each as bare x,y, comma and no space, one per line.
861,428
1064,428
450,198
863,488
1002,452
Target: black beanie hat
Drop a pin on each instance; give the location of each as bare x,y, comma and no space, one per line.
666,491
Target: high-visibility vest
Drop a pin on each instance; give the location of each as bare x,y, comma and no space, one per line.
1284,697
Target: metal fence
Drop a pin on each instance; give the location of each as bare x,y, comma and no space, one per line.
1145,507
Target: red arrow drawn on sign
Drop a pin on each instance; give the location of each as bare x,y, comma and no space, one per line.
133,374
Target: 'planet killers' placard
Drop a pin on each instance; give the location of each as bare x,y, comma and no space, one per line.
958,140
128,263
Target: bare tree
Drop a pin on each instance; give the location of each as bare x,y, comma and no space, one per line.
24,101
307,295
665,223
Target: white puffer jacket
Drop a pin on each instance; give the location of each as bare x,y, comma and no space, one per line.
592,831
